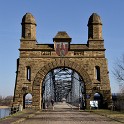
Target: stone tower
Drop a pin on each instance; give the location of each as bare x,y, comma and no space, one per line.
28,27
36,60
94,27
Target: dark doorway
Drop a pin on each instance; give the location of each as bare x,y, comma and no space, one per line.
98,97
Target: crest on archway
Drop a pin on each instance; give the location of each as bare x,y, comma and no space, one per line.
61,48
61,43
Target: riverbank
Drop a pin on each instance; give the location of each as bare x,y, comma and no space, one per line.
3,107
18,117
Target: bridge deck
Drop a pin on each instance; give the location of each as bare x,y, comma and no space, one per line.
68,117
62,106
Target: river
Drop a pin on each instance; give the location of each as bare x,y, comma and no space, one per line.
4,112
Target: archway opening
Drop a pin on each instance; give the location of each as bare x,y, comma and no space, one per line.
27,101
99,98
63,86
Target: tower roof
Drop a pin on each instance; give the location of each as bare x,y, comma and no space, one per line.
62,34
28,18
94,19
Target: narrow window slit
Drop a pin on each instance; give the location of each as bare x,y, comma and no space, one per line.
28,73
97,71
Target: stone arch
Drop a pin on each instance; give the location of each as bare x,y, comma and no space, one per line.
24,98
98,96
59,62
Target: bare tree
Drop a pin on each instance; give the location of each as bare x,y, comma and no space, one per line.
7,101
119,72
1,98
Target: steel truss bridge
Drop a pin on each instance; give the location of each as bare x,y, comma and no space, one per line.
63,84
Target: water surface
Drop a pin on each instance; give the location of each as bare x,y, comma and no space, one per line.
4,112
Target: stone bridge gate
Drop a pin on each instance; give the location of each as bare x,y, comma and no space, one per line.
37,60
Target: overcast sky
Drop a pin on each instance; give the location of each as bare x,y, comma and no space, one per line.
53,16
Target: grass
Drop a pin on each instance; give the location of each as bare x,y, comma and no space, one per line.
115,115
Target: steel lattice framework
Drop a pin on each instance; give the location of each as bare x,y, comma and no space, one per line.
63,83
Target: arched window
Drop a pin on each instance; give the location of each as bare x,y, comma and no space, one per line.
97,73
28,73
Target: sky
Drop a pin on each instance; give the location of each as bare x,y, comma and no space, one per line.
58,15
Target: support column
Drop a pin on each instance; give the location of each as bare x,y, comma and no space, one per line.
36,97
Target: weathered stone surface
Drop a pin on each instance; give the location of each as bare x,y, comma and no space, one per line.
42,58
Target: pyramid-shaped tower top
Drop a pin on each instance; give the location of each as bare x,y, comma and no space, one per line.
63,36
94,19
28,18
